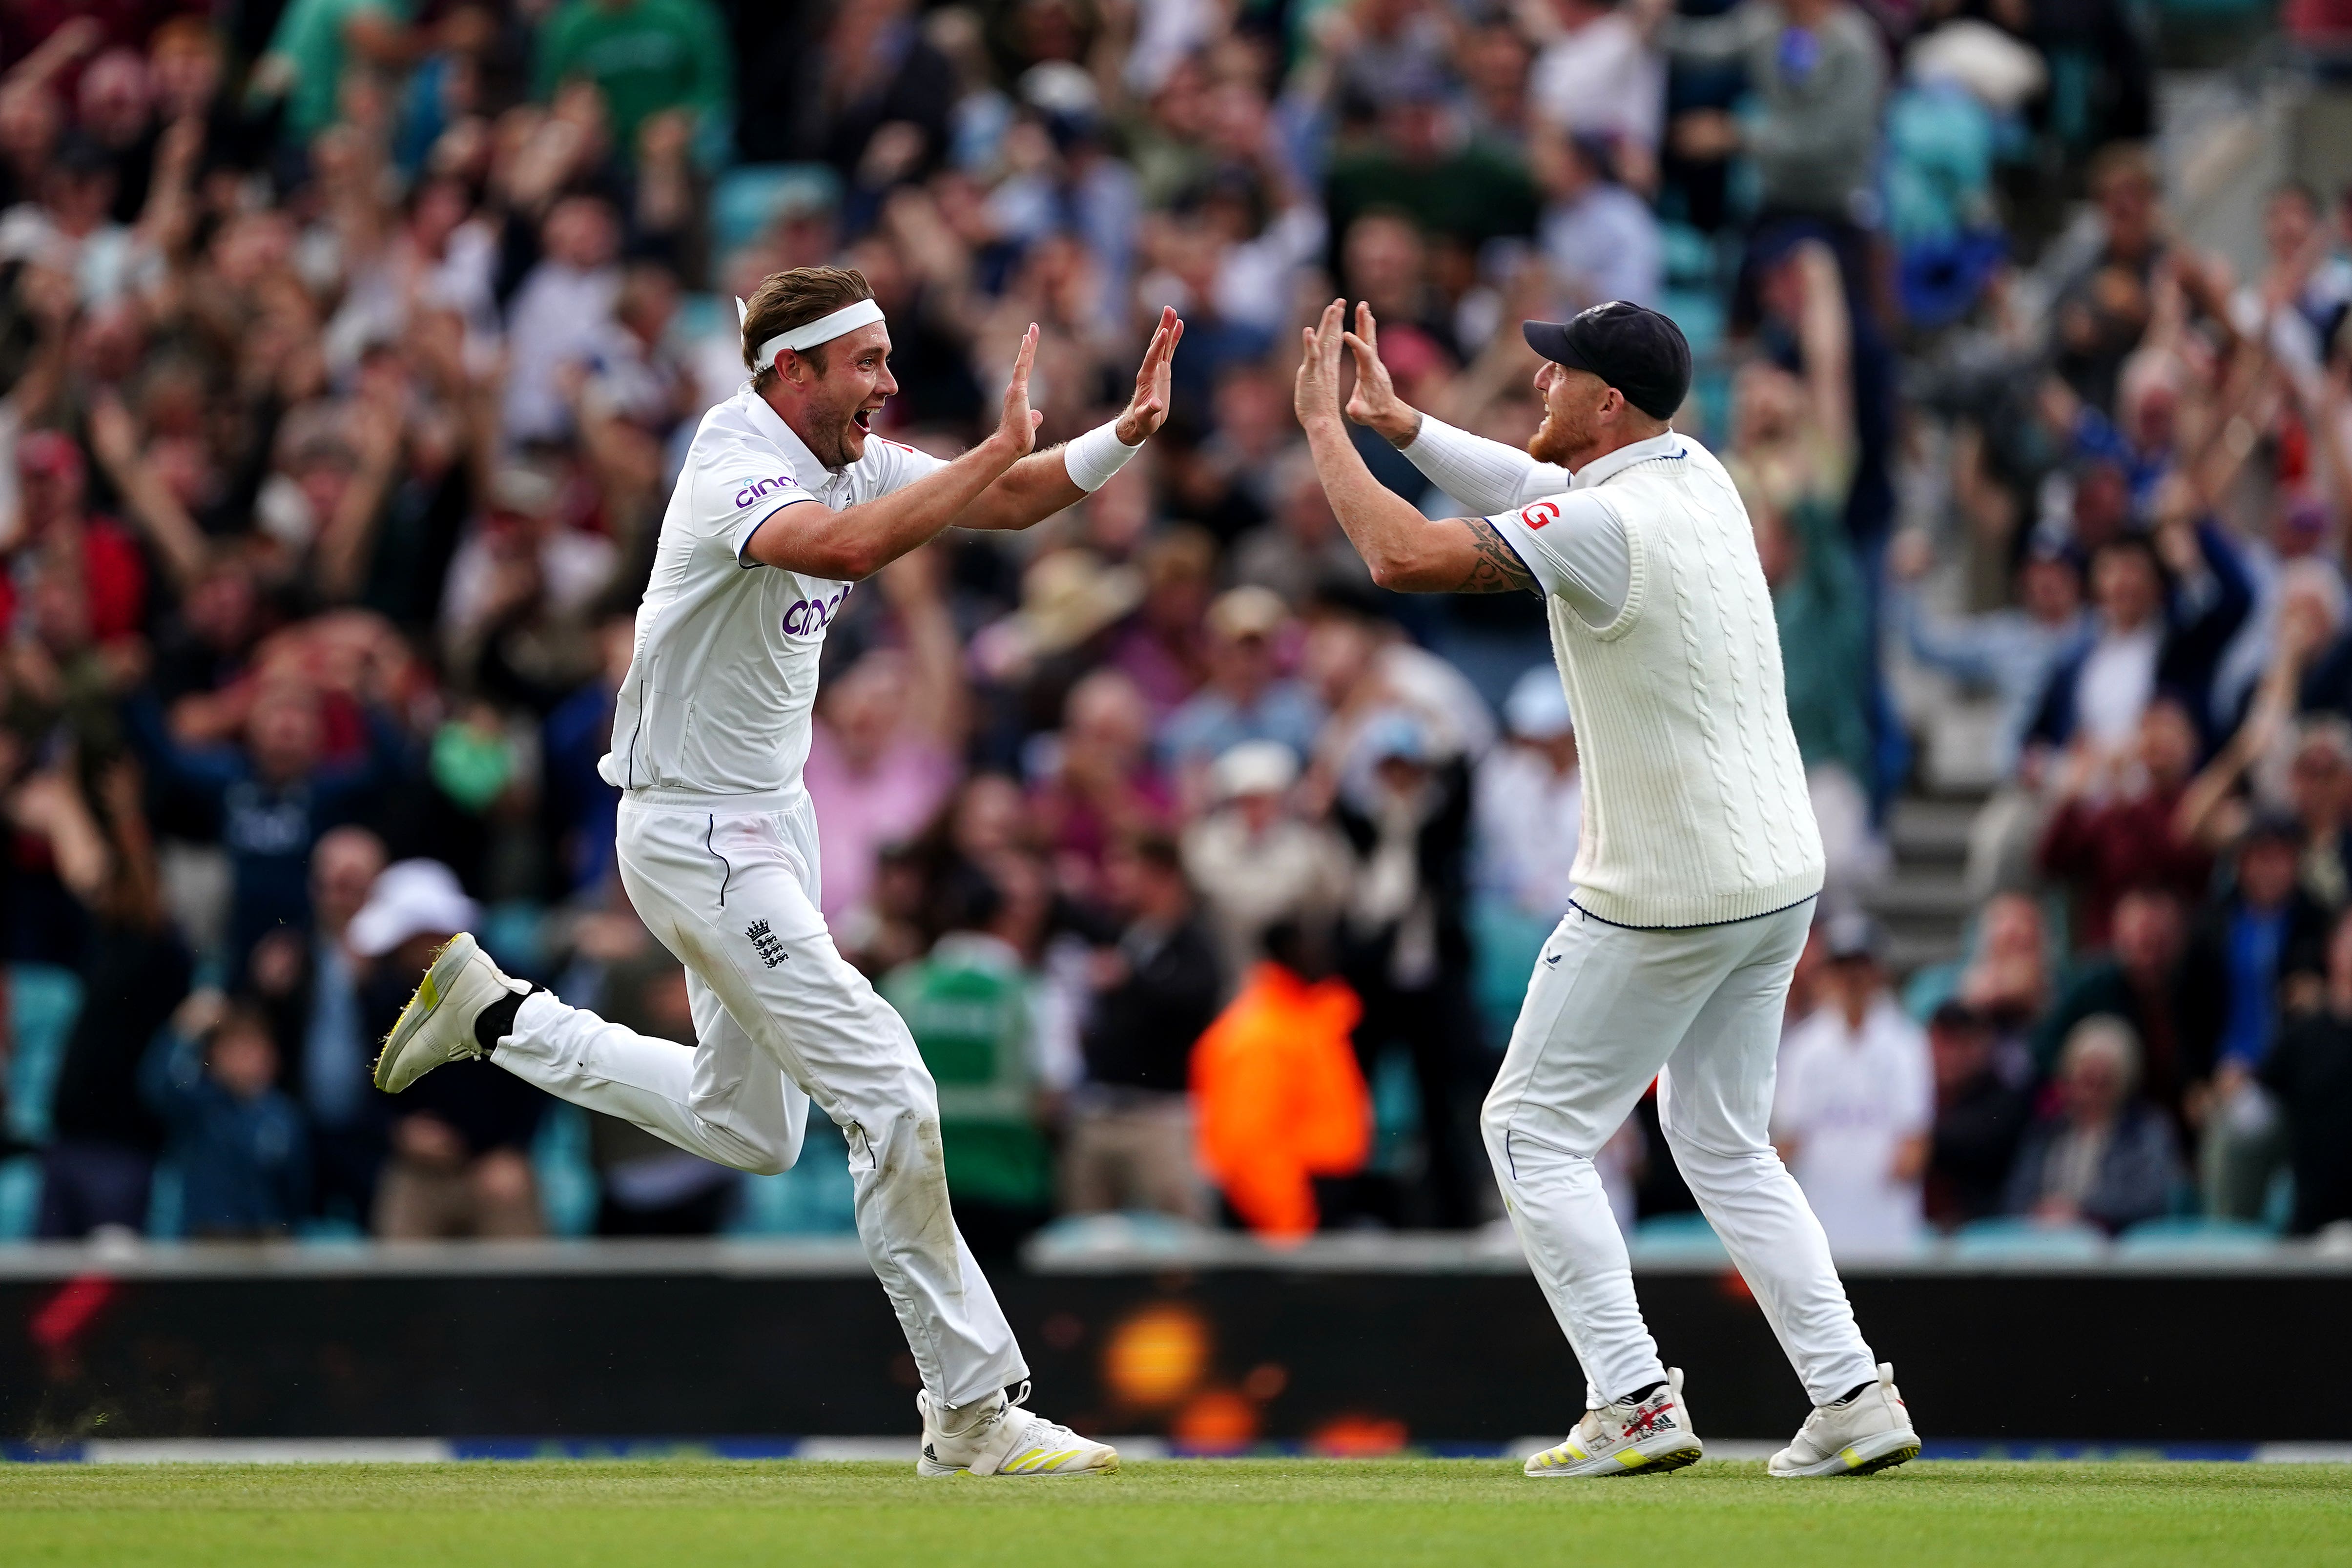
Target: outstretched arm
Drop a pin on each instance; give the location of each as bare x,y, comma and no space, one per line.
1043,483
1480,473
856,542
1406,551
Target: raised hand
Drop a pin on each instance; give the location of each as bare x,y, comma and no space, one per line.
1148,410
1315,396
1375,401
1017,431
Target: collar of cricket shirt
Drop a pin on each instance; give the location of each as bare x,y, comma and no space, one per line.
1669,445
814,476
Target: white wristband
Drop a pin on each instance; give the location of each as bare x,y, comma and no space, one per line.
1095,456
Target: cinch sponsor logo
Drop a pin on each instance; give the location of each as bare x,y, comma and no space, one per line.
751,493
807,617
1536,516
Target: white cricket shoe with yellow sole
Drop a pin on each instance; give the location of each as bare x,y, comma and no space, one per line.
1003,1439
1629,1437
1870,1432
437,1025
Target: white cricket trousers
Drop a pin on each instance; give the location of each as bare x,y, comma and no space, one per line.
780,1018
1609,1007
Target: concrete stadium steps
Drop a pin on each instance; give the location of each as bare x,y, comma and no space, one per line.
1924,905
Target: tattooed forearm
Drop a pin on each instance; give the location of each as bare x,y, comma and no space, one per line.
1496,567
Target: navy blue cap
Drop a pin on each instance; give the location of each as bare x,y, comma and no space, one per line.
1635,350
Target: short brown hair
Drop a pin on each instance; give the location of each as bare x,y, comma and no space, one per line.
787,299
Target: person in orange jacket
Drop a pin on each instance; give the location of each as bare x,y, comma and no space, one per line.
1278,1096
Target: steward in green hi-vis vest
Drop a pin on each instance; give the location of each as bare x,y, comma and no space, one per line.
967,1004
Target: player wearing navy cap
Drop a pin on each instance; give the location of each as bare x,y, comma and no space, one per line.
1697,864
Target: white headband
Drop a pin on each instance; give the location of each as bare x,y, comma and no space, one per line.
824,329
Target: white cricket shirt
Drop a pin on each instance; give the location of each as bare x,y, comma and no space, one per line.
723,680
1849,1097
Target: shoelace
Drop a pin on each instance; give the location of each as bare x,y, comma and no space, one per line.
1040,1432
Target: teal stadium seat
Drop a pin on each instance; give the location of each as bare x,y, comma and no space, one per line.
813,1199
747,198
43,1002
1676,1237
2193,1236
2022,1240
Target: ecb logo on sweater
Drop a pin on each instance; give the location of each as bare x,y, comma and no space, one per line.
766,943
1536,516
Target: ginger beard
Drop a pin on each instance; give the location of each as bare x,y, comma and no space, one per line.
838,405
1573,400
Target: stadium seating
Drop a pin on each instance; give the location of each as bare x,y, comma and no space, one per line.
1995,1240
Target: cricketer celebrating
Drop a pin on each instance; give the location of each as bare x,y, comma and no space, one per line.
1696,874
787,501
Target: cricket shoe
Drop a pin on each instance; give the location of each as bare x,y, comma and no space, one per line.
1003,1439
437,1025
1867,1431
1630,1437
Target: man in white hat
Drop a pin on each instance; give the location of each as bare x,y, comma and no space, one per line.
787,501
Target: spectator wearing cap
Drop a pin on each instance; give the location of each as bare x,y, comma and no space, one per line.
1530,802
2308,1075
2008,653
1854,1112
2263,937
1071,602
2104,1156
1601,239
1255,857
1980,1118
460,1163
1155,991
1406,943
1527,818
1246,698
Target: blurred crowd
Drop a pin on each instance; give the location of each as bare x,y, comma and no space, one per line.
349,348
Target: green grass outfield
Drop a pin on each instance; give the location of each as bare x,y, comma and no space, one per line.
1228,1513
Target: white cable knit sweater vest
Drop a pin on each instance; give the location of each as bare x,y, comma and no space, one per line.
1696,809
